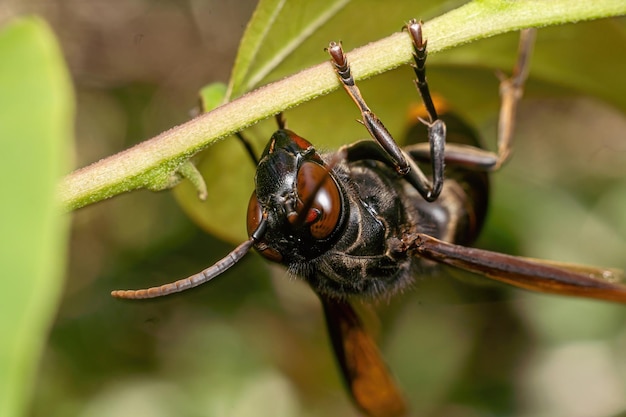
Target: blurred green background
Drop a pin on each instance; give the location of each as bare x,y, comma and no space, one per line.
253,343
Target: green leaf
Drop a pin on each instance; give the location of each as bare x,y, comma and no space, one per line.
152,162
568,59
282,37
36,124
297,39
212,96
276,29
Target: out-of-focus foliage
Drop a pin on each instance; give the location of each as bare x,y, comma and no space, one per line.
459,347
36,116
566,59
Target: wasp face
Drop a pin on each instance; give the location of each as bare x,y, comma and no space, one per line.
300,198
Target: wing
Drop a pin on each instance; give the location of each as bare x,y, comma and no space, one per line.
365,373
529,273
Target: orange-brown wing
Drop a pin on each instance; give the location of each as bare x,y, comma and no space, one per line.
364,370
529,273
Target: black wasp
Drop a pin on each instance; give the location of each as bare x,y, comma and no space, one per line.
363,221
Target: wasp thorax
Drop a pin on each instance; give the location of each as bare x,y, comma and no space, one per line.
298,196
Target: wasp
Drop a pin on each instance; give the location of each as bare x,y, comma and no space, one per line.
365,220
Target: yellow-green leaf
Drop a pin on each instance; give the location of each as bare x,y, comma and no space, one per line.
36,123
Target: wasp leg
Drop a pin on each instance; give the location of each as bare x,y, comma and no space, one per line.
366,149
459,155
282,124
528,273
281,121
511,90
396,157
419,56
248,146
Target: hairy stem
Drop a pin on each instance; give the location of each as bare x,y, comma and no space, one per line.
152,162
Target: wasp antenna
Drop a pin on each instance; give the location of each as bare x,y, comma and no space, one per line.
281,121
193,281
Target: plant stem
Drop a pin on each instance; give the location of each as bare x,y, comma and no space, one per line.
150,163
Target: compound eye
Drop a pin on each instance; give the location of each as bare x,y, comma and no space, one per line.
315,182
255,214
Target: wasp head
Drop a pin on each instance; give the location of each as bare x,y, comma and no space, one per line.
299,197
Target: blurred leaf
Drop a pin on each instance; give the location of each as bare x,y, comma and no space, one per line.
585,59
228,171
276,29
569,59
212,96
152,164
36,121
199,353
578,57
230,176
355,24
